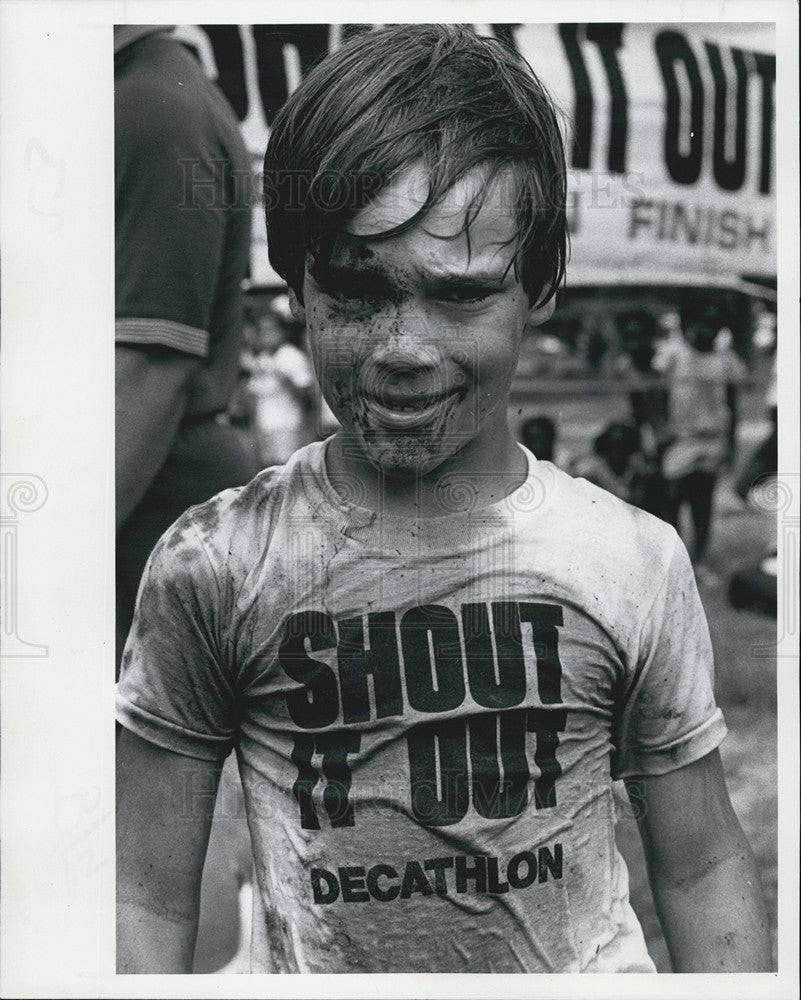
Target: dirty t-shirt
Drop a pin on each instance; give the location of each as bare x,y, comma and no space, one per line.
427,715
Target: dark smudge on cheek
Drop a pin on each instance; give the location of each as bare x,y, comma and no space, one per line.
359,252
342,391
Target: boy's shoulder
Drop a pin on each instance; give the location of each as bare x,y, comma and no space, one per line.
586,519
597,538
607,557
237,524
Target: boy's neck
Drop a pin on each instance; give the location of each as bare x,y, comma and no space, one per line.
467,481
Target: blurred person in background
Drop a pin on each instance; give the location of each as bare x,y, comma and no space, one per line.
754,584
538,434
618,465
648,399
702,421
182,240
280,386
593,344
764,459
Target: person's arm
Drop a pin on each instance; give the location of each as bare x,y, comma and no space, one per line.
173,245
165,803
150,386
702,872
736,376
731,403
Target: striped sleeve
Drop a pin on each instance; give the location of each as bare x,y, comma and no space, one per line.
138,331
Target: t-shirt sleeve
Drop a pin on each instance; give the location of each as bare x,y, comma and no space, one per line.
170,219
173,689
669,717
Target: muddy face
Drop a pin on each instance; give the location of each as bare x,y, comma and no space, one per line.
415,337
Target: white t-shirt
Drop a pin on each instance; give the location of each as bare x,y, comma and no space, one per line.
699,414
427,715
276,381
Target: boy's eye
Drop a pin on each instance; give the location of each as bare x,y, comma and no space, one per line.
345,290
352,290
465,294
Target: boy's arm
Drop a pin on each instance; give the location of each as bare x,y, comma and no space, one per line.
702,872
165,803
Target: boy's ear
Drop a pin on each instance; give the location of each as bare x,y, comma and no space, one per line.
538,314
297,310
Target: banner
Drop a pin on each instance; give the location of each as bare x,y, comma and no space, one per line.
669,130
670,148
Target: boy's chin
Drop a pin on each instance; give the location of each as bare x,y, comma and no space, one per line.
404,456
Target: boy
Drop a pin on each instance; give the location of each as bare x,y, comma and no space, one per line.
431,651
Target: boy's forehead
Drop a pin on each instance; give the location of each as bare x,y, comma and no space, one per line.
404,196
486,230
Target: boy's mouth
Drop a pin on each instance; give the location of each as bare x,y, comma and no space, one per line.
405,412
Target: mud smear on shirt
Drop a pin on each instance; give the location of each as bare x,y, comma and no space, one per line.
181,546
278,940
207,516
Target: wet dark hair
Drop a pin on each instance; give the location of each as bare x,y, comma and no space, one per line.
439,95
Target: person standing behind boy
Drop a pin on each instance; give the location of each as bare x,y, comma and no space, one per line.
702,420
432,652
182,239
